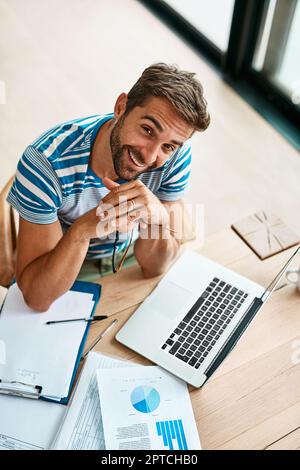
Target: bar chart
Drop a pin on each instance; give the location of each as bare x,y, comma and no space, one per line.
172,432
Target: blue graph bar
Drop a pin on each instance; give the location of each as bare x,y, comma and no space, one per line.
172,431
178,436
162,424
169,435
182,435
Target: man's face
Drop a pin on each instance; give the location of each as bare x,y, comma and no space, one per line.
146,138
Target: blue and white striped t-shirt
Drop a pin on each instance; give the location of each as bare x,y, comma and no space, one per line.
54,181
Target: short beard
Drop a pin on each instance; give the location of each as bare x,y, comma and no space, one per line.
118,151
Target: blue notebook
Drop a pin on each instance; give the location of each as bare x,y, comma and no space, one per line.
30,356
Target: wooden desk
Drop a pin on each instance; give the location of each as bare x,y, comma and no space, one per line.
253,400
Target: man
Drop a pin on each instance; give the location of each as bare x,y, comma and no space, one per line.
85,181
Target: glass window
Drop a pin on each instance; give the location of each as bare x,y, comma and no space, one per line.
212,19
277,53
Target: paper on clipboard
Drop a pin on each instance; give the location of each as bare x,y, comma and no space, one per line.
37,354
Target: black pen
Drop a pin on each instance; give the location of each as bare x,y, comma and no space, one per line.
96,318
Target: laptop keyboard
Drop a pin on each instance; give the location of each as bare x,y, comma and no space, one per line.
203,325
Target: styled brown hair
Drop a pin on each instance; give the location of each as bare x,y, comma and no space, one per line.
179,87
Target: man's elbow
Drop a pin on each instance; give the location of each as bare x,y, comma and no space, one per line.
37,304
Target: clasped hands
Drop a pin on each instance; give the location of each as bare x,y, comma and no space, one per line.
127,204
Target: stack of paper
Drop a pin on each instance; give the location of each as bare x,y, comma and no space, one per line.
141,408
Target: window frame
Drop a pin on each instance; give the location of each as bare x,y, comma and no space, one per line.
235,65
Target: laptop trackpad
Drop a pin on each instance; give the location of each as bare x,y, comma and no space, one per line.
170,299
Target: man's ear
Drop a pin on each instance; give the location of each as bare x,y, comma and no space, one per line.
120,106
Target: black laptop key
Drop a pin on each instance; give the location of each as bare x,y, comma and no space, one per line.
201,337
197,329
233,290
192,361
197,354
197,318
201,348
164,346
201,324
182,351
178,331
205,331
193,323
227,288
170,342
195,308
194,334
193,347
209,338
197,366
189,340
205,343
182,358
189,353
185,334
175,347
186,345
215,279
181,339
197,342
189,328
181,325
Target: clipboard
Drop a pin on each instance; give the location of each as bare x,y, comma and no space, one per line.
35,391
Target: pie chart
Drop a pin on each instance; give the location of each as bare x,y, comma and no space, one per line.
145,399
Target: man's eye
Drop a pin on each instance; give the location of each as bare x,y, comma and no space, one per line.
147,130
169,148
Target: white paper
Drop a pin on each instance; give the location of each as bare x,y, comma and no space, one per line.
27,424
40,354
82,427
146,408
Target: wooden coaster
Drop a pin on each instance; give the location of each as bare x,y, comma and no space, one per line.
266,234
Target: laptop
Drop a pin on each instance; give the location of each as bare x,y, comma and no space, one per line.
195,316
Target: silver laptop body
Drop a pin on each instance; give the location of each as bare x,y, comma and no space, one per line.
195,316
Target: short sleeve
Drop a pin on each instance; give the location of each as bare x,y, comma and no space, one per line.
176,177
35,193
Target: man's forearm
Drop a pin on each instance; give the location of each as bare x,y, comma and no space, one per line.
155,255
52,274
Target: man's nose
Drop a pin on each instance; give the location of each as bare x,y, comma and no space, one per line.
151,153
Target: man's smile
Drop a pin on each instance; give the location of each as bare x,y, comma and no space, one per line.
135,160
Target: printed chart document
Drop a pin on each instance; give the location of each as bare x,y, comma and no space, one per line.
145,407
82,427
27,424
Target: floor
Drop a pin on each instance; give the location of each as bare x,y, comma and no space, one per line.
61,60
